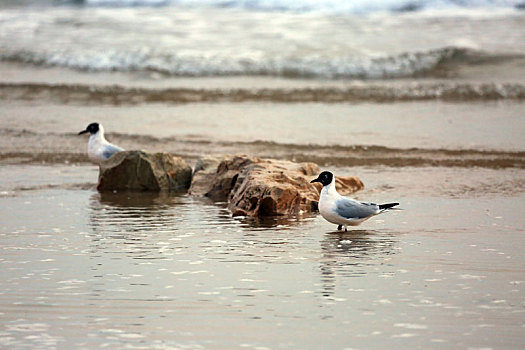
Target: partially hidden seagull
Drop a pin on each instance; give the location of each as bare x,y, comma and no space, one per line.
99,149
341,210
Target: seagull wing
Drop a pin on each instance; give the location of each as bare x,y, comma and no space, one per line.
351,209
110,150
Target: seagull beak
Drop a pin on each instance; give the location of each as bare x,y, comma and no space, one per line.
315,180
82,132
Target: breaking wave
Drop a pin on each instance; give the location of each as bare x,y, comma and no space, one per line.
409,64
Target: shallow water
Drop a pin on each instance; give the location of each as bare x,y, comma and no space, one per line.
88,270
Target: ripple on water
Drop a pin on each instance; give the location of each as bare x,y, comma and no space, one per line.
129,269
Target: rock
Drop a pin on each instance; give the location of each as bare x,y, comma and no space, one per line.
204,179
262,187
142,171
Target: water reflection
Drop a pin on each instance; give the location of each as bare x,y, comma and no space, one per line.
349,254
161,225
358,245
140,225
149,211
129,212
275,222
136,199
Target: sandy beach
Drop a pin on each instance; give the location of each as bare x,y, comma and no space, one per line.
87,270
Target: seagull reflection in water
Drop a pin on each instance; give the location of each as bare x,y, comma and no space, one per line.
351,255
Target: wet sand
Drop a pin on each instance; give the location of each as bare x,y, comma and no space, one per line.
396,134
87,270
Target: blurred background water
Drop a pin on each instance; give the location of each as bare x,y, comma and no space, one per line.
327,39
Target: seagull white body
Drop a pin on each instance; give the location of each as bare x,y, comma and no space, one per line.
329,202
341,210
99,149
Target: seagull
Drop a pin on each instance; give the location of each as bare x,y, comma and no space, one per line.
99,148
341,210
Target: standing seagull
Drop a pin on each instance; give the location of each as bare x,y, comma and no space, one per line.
341,210
99,148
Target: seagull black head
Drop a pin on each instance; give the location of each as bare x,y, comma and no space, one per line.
92,128
325,178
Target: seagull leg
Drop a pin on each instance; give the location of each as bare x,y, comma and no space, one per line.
339,227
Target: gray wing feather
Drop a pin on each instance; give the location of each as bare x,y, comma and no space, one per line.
355,210
110,150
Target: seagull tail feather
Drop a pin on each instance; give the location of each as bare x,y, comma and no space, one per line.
387,206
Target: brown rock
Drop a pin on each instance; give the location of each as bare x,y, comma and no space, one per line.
141,171
205,181
262,187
